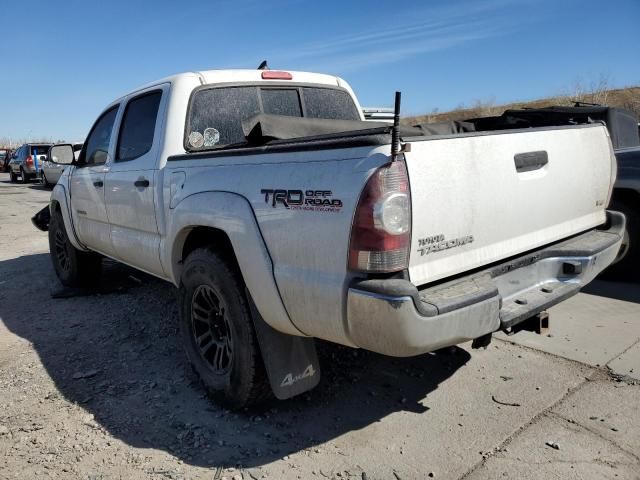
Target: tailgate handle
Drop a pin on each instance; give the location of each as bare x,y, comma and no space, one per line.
525,162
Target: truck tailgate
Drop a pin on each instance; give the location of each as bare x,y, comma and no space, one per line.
480,198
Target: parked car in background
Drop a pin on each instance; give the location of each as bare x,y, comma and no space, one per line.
51,171
378,114
5,156
27,160
626,199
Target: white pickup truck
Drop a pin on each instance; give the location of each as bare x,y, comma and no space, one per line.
281,216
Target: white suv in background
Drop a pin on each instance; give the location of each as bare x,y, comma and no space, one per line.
50,172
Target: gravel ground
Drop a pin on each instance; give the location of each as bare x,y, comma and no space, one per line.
97,387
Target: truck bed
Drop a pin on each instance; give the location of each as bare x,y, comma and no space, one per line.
478,196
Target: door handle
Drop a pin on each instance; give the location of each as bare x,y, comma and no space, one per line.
142,183
528,161
98,183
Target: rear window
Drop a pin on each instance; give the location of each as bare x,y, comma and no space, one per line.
39,149
328,103
281,102
216,114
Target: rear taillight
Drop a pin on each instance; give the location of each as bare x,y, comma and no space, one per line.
29,161
381,230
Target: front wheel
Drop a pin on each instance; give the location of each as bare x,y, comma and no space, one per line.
217,331
73,267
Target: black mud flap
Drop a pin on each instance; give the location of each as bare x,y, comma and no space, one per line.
291,362
41,219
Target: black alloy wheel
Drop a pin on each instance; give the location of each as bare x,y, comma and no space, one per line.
61,250
211,329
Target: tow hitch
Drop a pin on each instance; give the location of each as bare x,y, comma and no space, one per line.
538,323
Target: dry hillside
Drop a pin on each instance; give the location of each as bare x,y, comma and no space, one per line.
628,98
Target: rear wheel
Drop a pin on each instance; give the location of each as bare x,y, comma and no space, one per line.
217,331
626,263
23,176
73,267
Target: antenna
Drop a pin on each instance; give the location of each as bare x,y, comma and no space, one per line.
395,131
263,65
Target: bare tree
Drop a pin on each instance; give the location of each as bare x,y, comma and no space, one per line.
597,92
15,142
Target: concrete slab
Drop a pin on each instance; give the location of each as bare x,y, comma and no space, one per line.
445,431
608,409
581,455
628,363
19,203
592,328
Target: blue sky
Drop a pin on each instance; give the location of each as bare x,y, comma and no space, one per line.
62,62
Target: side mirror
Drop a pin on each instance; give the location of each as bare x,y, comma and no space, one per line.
61,154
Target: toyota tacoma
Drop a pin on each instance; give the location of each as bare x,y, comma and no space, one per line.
282,216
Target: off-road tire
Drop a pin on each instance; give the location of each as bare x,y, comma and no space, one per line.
73,267
245,382
625,266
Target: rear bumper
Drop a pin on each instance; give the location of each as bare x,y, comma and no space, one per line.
393,318
17,168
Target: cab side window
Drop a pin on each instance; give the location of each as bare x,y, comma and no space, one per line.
97,146
138,126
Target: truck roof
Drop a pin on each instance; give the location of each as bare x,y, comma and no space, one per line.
248,75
